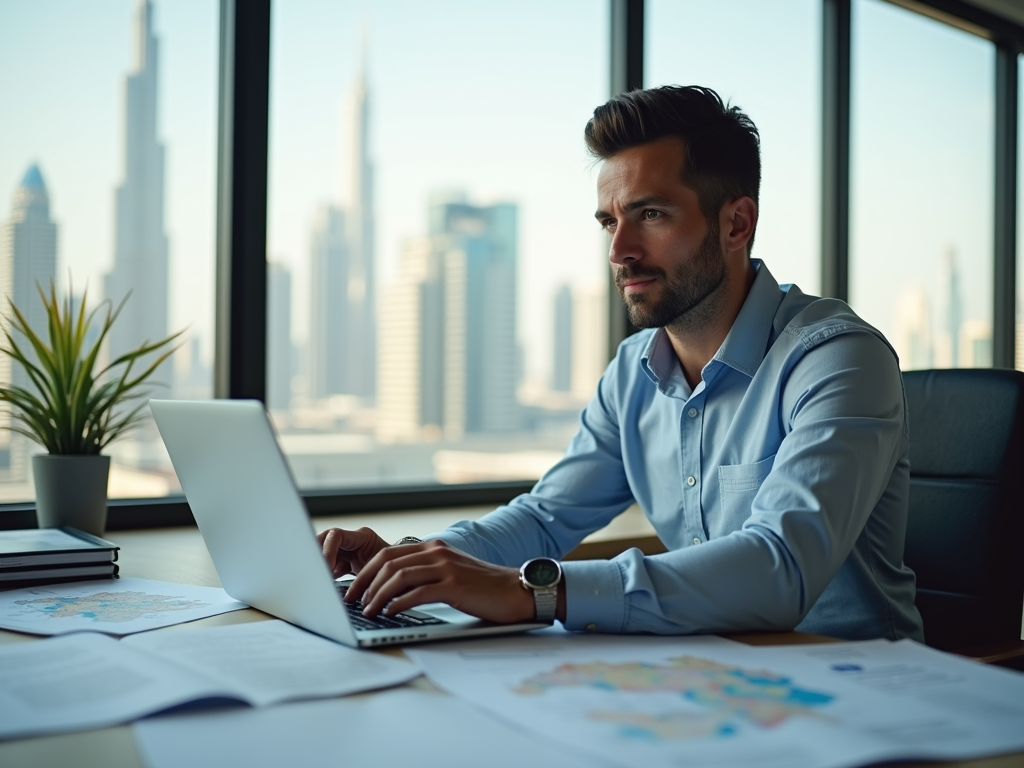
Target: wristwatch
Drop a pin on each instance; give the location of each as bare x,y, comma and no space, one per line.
407,540
542,575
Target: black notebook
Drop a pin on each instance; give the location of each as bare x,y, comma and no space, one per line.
55,554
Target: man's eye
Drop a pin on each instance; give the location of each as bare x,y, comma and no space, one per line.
651,215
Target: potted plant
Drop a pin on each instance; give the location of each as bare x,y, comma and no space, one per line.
74,408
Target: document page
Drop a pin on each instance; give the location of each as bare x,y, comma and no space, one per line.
86,681
405,726
670,701
272,661
976,709
112,606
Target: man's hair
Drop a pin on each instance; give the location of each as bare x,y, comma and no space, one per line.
723,148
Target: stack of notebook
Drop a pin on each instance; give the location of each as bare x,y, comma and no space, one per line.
50,555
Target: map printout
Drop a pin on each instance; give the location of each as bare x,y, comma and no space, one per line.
706,701
114,606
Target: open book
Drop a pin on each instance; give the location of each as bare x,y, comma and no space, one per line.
89,680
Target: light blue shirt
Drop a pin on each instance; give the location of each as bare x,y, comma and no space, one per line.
779,484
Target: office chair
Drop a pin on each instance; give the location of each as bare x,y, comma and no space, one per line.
965,533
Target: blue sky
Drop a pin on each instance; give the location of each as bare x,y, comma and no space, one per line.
492,99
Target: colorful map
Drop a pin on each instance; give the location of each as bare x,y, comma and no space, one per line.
727,697
113,607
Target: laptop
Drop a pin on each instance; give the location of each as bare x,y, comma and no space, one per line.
255,525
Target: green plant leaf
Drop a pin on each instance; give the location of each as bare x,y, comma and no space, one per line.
76,409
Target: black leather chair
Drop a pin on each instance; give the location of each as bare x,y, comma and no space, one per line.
965,533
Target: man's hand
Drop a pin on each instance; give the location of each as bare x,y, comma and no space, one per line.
349,551
402,577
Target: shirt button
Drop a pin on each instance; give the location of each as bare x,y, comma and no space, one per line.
691,481
692,412
591,627
696,540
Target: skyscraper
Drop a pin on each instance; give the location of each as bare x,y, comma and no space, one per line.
140,251
328,356
28,256
361,326
343,327
449,356
279,337
947,343
589,338
912,339
410,391
562,363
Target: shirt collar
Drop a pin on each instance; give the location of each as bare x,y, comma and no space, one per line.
744,347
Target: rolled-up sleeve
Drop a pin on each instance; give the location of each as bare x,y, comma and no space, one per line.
842,408
581,494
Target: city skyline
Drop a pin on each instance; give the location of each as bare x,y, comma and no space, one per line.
28,263
933,331
501,132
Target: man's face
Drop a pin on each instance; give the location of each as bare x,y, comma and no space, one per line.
667,257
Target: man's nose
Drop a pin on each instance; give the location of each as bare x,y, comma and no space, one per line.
625,246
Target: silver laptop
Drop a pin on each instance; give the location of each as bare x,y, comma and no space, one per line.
256,528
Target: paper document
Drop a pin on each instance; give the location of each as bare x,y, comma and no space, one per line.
691,700
405,727
89,680
266,662
113,606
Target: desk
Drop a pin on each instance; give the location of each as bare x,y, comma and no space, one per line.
179,555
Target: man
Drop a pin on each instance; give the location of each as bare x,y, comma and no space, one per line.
762,431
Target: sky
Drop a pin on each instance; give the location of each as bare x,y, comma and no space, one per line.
491,99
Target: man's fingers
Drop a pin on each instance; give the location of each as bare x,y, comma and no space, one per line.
428,593
367,573
393,582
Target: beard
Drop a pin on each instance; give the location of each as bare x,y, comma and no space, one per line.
690,290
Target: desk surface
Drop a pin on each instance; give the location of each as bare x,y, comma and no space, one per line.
179,555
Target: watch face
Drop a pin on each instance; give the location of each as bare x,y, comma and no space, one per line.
542,572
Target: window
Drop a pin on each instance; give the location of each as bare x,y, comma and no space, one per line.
1019,315
922,186
110,147
769,68
430,203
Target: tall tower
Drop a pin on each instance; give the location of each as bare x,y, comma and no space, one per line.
279,337
448,350
329,356
953,305
562,362
361,326
140,251
28,256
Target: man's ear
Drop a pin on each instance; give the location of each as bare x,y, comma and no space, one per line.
737,221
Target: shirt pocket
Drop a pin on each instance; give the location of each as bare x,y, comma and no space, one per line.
738,484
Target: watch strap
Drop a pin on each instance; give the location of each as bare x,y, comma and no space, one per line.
545,604
407,540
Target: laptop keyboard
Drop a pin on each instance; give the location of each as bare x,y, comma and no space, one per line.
411,618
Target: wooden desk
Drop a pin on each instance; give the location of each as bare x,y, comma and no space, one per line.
179,555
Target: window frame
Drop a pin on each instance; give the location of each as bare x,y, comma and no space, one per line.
241,264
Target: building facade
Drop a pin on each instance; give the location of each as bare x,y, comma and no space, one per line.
141,248
28,258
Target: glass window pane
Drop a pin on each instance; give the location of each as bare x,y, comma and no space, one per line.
107,183
922,186
1019,330
769,68
430,198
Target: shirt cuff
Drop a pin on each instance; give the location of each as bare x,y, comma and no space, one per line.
594,596
454,539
